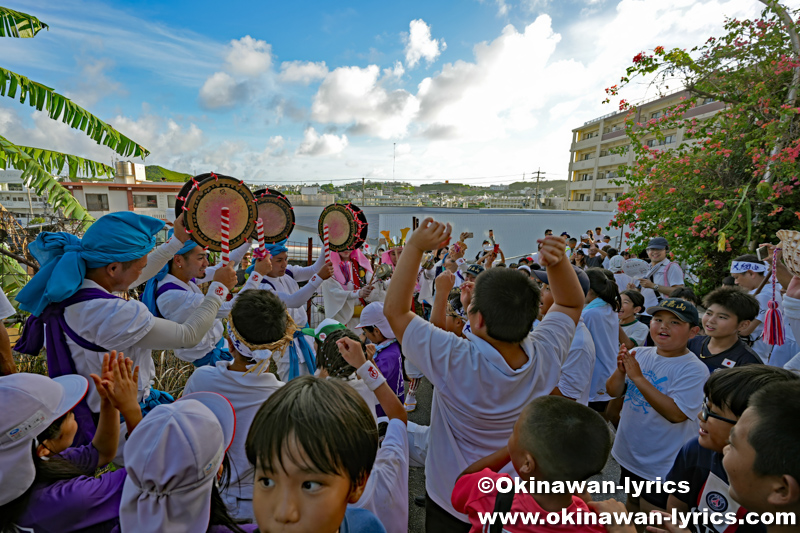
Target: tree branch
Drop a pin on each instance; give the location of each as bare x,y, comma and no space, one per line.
19,259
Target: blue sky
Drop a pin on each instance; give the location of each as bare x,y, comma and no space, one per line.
467,90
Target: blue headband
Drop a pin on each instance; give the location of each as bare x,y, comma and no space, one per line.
273,249
64,258
149,294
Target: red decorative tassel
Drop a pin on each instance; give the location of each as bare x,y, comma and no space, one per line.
773,325
773,322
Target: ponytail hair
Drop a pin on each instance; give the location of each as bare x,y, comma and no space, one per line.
605,288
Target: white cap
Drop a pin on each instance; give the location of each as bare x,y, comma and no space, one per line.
585,236
524,267
372,315
172,460
615,263
32,403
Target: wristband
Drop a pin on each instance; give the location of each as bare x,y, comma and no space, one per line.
460,261
316,280
371,375
218,290
255,276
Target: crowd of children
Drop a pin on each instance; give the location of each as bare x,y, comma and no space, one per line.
542,371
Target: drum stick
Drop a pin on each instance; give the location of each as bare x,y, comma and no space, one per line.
225,236
260,229
326,243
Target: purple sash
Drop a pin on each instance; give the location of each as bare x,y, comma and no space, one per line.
59,358
161,290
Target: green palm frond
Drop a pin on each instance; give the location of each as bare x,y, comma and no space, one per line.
54,163
20,25
59,107
35,176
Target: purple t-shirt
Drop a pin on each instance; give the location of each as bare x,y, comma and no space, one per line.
388,359
83,503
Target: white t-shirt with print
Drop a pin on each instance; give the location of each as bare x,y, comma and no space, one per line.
477,397
246,392
576,372
646,442
386,493
603,324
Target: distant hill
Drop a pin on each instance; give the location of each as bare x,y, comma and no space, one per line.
157,173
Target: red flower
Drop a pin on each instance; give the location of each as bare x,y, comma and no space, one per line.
659,49
638,57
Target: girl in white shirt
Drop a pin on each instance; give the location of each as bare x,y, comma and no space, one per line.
600,316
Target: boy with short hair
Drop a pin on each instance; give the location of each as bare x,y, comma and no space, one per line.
635,331
388,357
762,458
663,388
483,382
554,440
729,311
312,444
699,463
258,319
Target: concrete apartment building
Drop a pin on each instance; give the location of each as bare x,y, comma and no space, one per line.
593,167
23,203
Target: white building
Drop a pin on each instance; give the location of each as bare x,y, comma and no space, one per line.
23,203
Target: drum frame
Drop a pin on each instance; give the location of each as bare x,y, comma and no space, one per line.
358,226
280,200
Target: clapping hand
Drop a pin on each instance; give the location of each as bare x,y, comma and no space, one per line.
119,382
430,235
630,364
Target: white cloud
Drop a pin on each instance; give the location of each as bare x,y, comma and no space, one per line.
419,44
93,85
502,8
395,72
248,56
303,72
222,91
353,95
315,144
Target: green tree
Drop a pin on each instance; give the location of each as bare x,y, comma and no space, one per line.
733,181
39,164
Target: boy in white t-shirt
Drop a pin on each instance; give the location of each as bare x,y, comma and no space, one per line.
258,319
483,382
663,388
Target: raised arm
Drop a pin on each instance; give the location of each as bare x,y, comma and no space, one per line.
444,284
663,404
566,290
397,307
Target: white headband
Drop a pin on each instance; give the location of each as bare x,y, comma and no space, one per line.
258,355
738,267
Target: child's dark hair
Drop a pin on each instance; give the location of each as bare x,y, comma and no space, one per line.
635,297
605,288
611,252
219,515
685,293
734,300
750,258
731,388
259,316
330,359
47,472
555,430
729,281
326,418
775,437
508,301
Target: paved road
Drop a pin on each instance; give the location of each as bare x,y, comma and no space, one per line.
416,477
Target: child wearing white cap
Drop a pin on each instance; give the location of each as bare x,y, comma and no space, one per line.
258,320
388,356
44,484
173,461
313,444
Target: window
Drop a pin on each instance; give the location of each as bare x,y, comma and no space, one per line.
97,202
589,135
586,157
669,139
170,201
655,115
15,187
707,100
586,177
603,153
145,200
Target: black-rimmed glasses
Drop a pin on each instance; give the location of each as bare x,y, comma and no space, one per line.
706,413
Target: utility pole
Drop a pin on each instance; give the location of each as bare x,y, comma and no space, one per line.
538,175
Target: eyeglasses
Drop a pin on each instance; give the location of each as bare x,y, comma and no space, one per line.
706,413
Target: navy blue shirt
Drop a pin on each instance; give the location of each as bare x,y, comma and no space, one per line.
737,355
708,482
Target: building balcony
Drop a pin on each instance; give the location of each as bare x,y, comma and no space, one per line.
584,144
580,185
582,165
616,134
608,184
578,205
603,205
16,204
612,159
